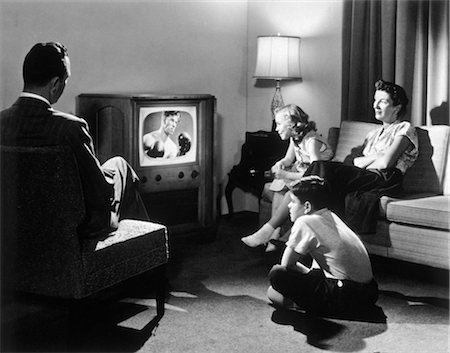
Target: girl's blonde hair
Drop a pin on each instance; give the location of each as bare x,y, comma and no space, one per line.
300,120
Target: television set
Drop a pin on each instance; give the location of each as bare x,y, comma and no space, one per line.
168,140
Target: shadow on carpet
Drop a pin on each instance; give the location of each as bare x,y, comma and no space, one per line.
437,302
325,333
48,329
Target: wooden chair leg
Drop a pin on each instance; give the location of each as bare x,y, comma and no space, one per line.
161,287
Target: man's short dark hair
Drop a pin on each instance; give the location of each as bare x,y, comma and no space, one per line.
313,189
43,62
168,113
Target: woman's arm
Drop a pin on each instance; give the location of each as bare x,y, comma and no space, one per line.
313,147
290,259
364,161
287,160
386,159
282,174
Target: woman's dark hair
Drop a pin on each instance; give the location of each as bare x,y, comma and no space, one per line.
299,118
313,189
43,62
396,92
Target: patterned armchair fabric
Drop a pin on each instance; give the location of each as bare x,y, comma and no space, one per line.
41,207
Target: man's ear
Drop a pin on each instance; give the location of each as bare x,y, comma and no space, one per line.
56,87
53,87
307,207
53,84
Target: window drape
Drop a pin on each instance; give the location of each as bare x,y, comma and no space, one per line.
402,41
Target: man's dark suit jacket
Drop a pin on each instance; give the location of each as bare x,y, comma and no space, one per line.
32,122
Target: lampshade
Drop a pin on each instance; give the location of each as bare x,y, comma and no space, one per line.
278,58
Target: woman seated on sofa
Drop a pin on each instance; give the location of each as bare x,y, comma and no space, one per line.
376,170
306,145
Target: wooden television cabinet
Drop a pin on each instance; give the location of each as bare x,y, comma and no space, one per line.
178,191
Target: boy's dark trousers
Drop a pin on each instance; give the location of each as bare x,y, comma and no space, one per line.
315,293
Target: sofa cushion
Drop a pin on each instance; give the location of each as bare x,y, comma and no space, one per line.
132,238
427,246
129,229
427,173
386,200
431,212
351,135
134,248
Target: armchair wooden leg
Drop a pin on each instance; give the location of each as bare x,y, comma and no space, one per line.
161,290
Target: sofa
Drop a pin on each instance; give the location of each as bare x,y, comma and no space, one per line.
415,227
43,254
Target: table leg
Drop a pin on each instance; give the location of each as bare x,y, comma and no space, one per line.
229,195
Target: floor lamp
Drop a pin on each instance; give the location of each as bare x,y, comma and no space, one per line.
278,58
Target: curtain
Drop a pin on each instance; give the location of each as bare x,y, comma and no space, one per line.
402,41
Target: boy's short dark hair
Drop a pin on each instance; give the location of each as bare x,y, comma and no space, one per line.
43,62
313,189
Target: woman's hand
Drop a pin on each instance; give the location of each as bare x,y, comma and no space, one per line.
277,167
280,173
288,176
286,161
364,161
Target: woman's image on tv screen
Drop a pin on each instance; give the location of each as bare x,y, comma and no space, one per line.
162,143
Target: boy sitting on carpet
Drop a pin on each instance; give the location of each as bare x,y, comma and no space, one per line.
340,278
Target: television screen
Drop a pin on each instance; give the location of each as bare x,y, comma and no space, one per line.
168,135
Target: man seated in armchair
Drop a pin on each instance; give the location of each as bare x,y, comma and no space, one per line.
110,190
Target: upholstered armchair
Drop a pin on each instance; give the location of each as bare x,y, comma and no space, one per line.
41,208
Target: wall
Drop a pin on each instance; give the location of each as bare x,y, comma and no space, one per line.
138,46
319,24
182,47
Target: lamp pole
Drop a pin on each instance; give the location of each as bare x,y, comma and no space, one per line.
277,102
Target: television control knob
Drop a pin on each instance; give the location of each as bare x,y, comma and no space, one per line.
181,175
144,179
158,177
194,174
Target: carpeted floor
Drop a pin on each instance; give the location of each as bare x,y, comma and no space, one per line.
217,303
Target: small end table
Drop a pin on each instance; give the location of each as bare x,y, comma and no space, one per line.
259,153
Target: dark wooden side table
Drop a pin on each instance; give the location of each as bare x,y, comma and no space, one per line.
259,152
